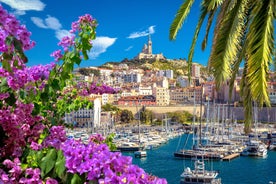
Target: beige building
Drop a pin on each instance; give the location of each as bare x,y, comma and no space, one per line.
272,92
196,70
185,95
162,96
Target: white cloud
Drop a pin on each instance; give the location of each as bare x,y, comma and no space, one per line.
25,5
129,48
150,30
62,33
100,44
51,23
19,12
39,22
48,23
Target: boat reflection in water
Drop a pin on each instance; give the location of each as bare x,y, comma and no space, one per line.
140,153
199,175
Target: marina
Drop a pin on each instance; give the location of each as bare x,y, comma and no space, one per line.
155,148
238,170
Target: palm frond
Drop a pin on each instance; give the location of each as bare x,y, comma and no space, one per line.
236,65
220,17
182,13
247,101
213,4
260,49
226,48
209,23
192,48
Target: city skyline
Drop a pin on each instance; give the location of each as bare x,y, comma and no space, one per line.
123,28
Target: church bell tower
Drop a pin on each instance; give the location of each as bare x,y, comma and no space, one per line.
149,45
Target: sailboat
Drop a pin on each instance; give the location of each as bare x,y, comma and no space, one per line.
198,150
254,147
199,175
141,152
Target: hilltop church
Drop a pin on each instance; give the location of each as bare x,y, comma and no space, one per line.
146,52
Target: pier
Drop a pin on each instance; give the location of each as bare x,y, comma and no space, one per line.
230,157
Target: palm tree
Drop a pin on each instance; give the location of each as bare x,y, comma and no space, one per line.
244,32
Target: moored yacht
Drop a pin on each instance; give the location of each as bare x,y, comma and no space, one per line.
255,148
199,175
128,146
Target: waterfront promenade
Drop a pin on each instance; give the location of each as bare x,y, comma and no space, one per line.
264,115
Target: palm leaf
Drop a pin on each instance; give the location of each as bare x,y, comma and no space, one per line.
260,49
182,13
213,4
237,63
220,17
210,21
192,48
226,48
247,101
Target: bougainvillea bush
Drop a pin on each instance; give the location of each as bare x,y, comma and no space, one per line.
33,100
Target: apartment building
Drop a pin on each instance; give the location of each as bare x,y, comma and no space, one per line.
183,81
185,95
131,77
165,73
144,90
196,70
85,117
162,96
147,100
272,92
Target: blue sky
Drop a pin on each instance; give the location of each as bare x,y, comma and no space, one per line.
123,27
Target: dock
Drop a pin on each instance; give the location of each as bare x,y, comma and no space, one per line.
230,157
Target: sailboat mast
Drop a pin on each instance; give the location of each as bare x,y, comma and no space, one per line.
194,116
200,114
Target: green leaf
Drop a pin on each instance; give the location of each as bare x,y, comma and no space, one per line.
44,96
11,100
55,84
181,15
85,55
77,60
4,85
17,45
76,179
6,65
36,109
60,165
39,155
48,162
22,94
9,40
42,137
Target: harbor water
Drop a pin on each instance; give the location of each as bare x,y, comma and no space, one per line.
242,170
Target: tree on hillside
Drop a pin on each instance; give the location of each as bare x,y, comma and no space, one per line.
110,107
244,32
126,116
89,71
